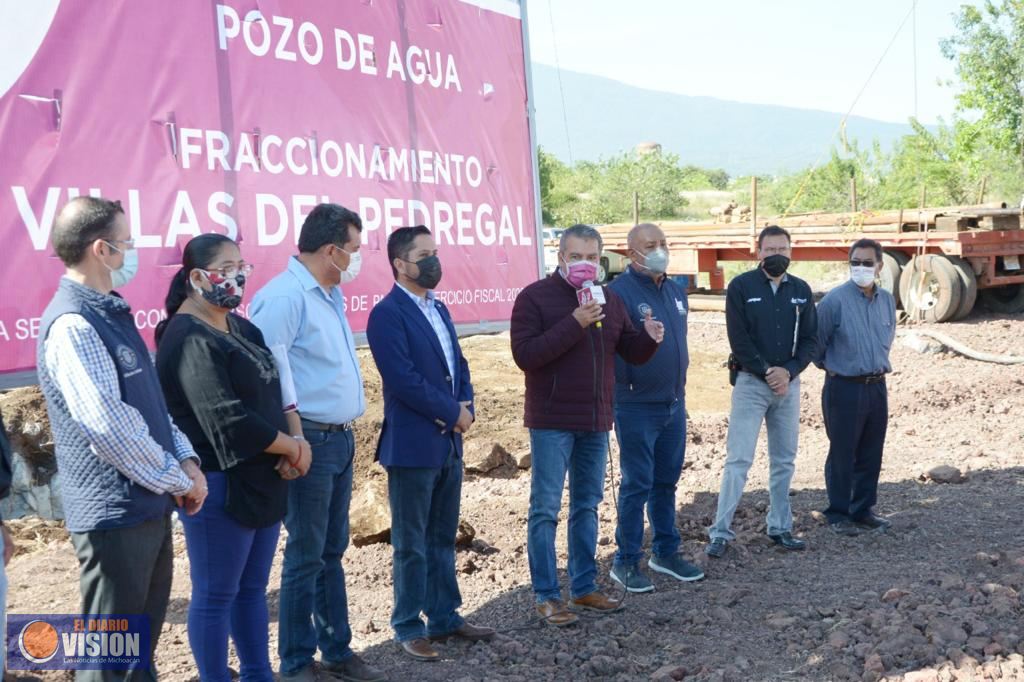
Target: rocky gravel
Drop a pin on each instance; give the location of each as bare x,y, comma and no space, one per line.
936,598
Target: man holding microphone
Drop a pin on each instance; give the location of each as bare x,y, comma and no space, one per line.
566,341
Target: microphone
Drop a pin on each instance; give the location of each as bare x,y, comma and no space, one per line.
591,292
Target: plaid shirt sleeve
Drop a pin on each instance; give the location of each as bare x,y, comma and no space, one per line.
84,373
182,445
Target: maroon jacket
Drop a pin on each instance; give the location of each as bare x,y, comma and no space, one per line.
570,371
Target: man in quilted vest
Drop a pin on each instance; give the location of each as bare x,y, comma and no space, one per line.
567,348
122,461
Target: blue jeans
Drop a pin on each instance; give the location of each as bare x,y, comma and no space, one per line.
856,419
230,566
652,443
583,455
753,403
424,520
314,605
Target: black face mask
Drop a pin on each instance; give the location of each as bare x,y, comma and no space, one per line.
775,265
430,272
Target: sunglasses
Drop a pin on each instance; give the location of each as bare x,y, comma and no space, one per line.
862,263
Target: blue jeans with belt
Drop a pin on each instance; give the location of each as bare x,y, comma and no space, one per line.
583,455
856,418
230,565
424,521
314,604
652,443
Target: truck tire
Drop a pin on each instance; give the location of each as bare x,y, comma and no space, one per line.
1008,299
892,268
969,282
930,288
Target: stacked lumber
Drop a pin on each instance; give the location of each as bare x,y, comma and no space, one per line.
730,212
991,216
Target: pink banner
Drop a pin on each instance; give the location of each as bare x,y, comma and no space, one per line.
239,116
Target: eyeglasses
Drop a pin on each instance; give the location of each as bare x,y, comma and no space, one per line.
232,271
128,243
862,263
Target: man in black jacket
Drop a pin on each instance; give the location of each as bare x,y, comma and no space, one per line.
772,328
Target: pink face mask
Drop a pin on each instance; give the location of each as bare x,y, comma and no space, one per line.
579,272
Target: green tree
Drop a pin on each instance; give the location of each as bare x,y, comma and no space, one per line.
657,178
988,50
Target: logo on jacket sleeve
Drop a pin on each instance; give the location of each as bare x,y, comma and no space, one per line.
680,307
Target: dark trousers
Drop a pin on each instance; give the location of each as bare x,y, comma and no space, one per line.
424,520
856,417
126,571
230,570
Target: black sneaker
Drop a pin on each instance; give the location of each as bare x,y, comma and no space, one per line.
632,578
716,548
787,541
845,527
872,522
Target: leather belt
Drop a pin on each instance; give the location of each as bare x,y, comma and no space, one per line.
862,379
329,428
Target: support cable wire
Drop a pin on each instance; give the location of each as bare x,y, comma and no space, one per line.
842,123
561,89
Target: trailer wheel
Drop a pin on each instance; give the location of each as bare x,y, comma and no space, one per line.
892,268
969,284
930,287
1008,299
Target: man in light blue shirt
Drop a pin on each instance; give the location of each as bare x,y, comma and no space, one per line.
301,313
856,328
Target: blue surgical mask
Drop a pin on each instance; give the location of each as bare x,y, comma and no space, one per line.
124,274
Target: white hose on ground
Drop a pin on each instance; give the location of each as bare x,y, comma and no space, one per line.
966,351
947,341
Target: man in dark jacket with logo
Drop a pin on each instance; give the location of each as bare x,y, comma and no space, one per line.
772,327
650,418
121,458
566,346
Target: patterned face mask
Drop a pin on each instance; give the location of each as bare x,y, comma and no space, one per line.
225,292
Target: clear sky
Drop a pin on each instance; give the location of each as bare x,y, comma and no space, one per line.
813,54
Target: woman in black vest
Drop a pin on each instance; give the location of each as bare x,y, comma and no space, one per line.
223,391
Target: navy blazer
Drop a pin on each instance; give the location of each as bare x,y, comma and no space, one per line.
421,400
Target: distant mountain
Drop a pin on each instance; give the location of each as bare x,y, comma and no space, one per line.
606,117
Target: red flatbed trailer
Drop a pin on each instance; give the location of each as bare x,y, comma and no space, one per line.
937,260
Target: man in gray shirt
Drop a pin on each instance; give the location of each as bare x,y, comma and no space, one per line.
856,327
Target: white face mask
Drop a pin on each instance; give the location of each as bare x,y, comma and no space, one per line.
862,276
354,264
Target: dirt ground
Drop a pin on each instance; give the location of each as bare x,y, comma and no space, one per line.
936,598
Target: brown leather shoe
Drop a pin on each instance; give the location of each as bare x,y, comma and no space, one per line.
419,649
468,631
596,601
554,613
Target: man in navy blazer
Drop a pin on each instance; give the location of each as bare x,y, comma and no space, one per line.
428,405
